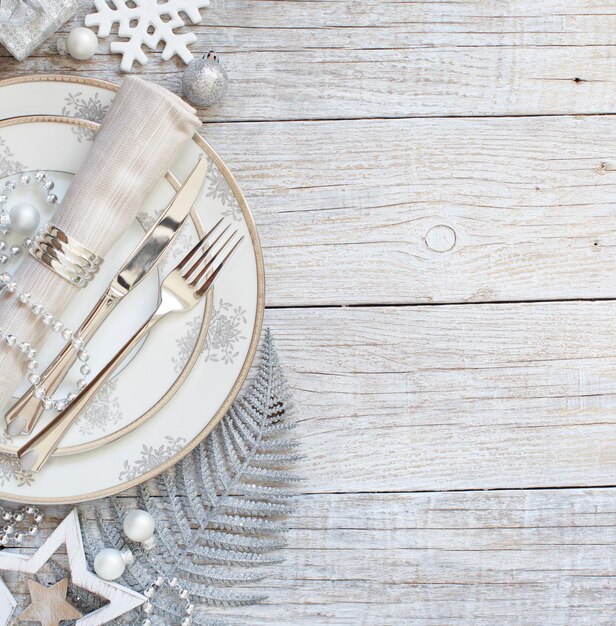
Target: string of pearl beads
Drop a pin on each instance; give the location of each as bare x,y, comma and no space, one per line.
152,590
23,218
17,526
9,287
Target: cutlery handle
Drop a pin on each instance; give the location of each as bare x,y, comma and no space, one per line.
25,413
35,452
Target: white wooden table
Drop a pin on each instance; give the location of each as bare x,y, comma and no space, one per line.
435,187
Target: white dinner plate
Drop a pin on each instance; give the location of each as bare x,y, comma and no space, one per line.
230,339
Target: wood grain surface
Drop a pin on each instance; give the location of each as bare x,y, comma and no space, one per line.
434,183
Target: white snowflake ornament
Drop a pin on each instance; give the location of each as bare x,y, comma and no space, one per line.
146,22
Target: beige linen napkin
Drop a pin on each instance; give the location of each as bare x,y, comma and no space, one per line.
140,138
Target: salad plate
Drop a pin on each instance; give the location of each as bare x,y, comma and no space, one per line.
117,407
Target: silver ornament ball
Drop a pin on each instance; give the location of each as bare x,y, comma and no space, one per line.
138,525
25,218
205,82
109,564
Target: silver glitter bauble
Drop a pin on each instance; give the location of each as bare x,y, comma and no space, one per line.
205,82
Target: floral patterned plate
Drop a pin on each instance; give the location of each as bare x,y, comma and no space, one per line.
116,408
230,341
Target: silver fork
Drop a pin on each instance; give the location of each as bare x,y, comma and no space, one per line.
181,290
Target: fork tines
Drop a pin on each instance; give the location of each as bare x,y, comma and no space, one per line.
202,272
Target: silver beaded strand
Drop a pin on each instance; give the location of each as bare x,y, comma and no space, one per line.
7,252
20,523
152,590
9,287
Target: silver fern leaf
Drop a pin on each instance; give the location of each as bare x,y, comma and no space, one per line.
220,513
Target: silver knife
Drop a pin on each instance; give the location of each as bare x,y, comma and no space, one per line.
24,414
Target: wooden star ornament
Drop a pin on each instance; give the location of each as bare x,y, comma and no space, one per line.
49,606
121,599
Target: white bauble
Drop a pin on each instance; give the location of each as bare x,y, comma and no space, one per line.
81,43
139,525
109,564
25,218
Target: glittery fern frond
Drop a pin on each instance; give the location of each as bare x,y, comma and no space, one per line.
220,513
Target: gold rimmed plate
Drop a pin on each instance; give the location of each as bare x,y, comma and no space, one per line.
222,361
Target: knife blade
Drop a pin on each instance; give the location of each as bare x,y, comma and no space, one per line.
156,241
24,414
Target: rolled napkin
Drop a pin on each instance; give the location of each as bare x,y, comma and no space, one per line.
140,138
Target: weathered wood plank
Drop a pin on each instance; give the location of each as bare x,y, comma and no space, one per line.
452,397
471,558
408,211
525,204
337,59
431,398
438,398
419,211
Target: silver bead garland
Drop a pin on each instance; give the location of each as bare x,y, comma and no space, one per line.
20,523
6,252
152,590
9,288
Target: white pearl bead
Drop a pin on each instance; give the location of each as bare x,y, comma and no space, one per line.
139,525
25,218
81,43
109,564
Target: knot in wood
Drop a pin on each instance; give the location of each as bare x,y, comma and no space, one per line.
441,238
